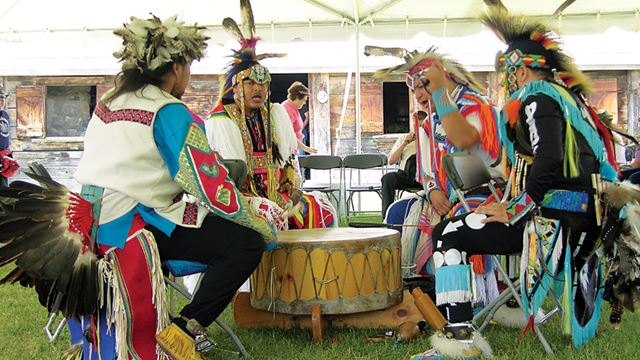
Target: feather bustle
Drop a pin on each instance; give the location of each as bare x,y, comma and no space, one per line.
34,231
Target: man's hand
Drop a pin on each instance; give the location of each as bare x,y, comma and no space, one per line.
409,138
309,150
287,188
440,201
495,211
434,77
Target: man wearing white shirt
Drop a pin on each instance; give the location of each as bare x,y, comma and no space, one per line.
402,153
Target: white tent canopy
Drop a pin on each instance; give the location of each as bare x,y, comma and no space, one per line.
34,15
74,37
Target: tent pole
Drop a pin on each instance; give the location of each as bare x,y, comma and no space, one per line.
357,84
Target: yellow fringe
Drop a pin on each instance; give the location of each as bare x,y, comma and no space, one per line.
73,353
566,304
571,153
177,344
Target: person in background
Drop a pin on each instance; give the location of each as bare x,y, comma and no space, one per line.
402,153
8,166
298,94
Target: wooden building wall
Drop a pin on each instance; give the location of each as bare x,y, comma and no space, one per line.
27,108
329,132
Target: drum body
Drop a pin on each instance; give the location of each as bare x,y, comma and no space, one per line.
345,270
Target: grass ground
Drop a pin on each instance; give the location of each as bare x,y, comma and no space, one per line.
22,337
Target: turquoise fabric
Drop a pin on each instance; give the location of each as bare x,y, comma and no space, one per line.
184,267
169,131
453,278
575,116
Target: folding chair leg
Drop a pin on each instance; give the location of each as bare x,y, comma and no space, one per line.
181,290
509,283
234,338
222,325
490,310
350,203
171,290
542,339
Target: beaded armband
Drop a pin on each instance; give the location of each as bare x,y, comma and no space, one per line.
444,104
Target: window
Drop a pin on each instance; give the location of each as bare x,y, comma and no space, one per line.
396,107
605,96
68,110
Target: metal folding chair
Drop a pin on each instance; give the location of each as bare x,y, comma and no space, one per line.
362,162
323,162
467,172
180,268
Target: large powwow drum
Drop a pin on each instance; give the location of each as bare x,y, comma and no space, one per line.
345,270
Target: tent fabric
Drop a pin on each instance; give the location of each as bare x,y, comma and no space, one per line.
48,38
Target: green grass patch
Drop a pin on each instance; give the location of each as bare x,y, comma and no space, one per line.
22,337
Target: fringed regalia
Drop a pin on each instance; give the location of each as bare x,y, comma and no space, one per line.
264,138
559,202
92,256
432,144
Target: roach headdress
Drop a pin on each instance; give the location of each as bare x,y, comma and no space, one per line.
245,62
532,43
415,61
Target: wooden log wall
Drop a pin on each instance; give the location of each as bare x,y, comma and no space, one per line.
320,113
27,108
611,86
633,107
371,113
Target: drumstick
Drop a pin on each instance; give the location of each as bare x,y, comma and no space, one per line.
428,309
365,224
294,200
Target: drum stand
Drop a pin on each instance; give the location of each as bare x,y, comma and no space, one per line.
246,316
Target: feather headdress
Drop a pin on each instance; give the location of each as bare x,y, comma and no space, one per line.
534,44
245,61
148,44
413,61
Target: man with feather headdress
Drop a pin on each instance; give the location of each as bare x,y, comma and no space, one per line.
245,125
459,117
558,151
97,256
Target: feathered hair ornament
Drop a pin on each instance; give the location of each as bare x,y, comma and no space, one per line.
245,61
415,61
534,44
621,245
147,44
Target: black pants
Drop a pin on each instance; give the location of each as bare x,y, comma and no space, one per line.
231,251
393,181
4,182
500,239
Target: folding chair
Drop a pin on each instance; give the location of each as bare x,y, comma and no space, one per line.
323,162
175,268
362,162
411,190
467,172
180,268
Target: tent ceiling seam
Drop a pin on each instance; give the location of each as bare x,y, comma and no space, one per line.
330,10
9,9
378,10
